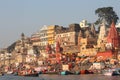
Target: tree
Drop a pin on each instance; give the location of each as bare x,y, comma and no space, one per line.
36,50
107,14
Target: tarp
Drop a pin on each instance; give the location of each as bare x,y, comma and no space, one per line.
65,67
105,55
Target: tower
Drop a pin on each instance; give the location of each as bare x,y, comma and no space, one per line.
93,30
113,40
102,34
24,51
113,37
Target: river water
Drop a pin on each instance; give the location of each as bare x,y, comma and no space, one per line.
62,77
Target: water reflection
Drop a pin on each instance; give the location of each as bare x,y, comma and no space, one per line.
62,77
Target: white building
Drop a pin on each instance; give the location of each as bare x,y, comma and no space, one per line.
118,25
83,24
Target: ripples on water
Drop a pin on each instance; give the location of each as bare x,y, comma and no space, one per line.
61,77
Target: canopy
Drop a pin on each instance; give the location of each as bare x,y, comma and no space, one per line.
105,55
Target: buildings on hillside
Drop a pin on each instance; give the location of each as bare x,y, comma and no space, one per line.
81,39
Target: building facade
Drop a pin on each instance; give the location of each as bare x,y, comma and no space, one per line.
68,37
51,35
35,38
87,41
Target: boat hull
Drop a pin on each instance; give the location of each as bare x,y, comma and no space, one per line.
30,75
112,72
65,72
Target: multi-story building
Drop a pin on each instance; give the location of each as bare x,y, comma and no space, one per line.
35,38
46,35
22,43
43,38
68,37
87,47
6,58
87,41
51,35
16,58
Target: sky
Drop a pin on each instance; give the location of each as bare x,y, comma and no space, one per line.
28,16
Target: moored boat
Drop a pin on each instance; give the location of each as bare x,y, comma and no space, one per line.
9,72
30,73
86,72
1,74
50,72
111,72
66,72
77,72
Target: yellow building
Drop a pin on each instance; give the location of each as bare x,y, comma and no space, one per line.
51,34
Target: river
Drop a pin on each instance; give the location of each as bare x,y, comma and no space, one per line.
62,77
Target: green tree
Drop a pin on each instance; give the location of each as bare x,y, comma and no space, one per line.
107,14
36,50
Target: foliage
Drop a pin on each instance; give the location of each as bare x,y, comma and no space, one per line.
36,50
11,47
107,14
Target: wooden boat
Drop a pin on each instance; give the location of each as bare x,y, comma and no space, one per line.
6,73
77,72
65,72
40,72
30,74
50,72
86,72
1,74
111,72
9,72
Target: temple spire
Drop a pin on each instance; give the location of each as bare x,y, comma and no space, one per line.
102,33
113,37
93,30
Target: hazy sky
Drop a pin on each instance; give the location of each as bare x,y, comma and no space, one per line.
28,16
